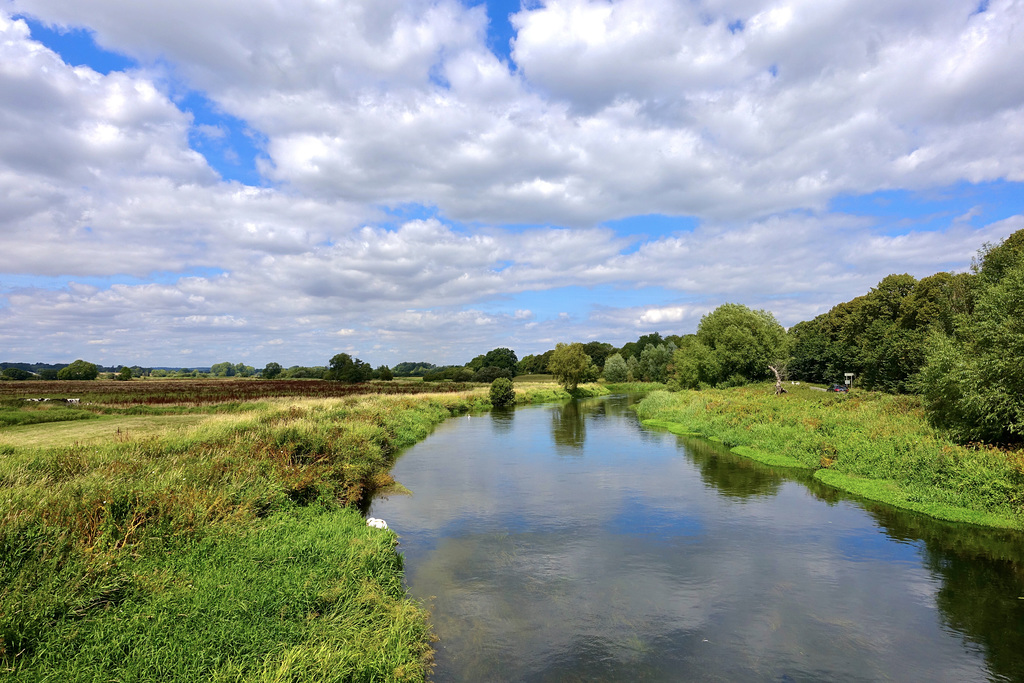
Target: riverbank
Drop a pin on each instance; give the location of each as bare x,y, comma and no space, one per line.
229,548
873,445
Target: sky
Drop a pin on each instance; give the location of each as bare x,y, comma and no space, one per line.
419,180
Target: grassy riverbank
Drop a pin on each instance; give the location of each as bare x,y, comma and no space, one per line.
878,446
229,547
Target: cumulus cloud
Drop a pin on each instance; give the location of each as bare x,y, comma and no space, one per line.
750,116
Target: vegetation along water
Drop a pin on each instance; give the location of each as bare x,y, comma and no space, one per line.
227,544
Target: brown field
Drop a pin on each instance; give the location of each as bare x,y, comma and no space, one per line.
207,391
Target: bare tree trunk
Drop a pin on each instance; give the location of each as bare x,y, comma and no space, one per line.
778,380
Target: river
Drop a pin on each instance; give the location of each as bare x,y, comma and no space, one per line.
569,543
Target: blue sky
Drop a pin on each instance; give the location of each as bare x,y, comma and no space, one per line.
187,184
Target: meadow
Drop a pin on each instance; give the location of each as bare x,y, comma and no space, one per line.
210,530
878,446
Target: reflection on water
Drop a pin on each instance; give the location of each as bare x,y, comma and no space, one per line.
645,556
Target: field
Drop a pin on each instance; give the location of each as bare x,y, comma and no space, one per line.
205,530
875,445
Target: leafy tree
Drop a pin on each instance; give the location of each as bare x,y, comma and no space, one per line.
48,373
271,371
570,365
655,362
598,352
15,374
743,343
489,373
384,373
973,380
224,369
411,369
124,374
501,357
632,369
344,368
80,369
503,392
615,368
694,365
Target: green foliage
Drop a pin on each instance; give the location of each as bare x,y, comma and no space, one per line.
15,374
570,365
502,392
862,436
124,375
489,373
454,373
615,369
271,371
78,370
599,352
384,374
733,345
655,361
344,368
882,336
410,369
973,381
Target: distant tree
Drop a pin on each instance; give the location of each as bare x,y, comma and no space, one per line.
632,369
655,362
16,374
412,369
598,352
80,369
48,373
124,374
243,370
344,368
271,371
570,365
224,369
501,357
615,368
503,392
489,373
384,374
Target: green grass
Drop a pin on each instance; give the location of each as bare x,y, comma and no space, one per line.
851,440
214,540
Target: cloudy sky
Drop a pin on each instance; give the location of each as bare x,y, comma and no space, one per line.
188,182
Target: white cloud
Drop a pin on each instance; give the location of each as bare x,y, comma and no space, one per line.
750,116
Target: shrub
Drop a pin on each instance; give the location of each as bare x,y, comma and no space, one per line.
502,392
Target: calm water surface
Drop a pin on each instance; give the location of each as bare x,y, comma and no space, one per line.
568,543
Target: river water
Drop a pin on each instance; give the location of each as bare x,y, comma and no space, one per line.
569,543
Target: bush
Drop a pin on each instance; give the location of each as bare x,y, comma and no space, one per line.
502,392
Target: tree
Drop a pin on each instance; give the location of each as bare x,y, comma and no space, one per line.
615,368
655,361
972,382
15,374
489,373
344,368
743,344
384,374
80,369
503,392
271,371
124,375
224,369
569,364
598,352
501,357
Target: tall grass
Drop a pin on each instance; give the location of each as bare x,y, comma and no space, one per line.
875,445
229,550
